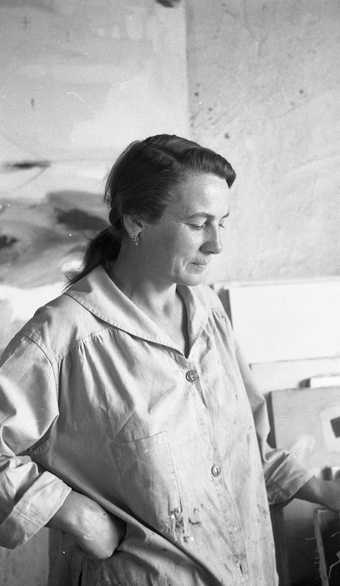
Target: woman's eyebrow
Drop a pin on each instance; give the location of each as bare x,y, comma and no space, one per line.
205,215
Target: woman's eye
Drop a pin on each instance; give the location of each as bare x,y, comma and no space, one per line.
197,226
205,225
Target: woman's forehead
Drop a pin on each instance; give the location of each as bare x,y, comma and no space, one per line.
200,193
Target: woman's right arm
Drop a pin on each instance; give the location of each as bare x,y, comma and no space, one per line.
31,497
93,530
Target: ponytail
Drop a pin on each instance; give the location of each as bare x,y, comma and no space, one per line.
102,248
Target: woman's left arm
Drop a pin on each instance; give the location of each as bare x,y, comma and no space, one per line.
285,477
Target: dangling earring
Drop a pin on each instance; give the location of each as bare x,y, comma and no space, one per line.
135,239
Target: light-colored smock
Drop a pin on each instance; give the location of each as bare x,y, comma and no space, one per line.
101,400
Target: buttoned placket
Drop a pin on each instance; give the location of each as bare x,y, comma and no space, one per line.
193,380
233,527
196,386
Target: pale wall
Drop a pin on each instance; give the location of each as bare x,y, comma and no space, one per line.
265,91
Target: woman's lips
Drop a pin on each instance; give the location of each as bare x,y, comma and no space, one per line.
200,265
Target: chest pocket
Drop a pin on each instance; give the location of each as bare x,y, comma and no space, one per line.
148,481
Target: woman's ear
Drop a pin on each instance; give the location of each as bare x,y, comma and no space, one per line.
133,226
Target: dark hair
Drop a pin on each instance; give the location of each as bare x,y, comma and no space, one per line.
141,183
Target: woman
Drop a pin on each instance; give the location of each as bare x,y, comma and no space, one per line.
130,421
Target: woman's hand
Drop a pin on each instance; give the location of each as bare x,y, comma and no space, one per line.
93,530
323,492
331,495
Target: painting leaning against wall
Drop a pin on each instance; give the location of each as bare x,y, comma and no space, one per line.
41,242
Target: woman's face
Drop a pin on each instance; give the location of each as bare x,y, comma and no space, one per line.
179,247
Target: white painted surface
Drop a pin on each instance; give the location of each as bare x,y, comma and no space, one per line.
289,332
292,321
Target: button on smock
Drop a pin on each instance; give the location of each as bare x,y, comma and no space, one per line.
192,376
215,470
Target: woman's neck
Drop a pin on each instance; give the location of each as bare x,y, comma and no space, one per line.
161,303
155,298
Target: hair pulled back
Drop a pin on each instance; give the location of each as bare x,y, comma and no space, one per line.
141,183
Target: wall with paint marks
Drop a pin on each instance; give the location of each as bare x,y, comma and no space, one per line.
264,83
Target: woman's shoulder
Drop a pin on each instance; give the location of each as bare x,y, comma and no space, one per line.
56,326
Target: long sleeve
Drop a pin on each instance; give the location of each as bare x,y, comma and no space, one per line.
284,476
29,496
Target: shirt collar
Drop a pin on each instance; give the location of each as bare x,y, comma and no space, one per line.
99,295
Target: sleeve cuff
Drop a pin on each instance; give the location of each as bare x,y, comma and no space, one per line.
286,481
33,511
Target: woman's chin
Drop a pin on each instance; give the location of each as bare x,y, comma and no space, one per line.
192,278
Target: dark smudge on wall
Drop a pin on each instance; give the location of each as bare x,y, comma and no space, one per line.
37,240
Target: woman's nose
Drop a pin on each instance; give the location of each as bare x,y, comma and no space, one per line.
213,245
